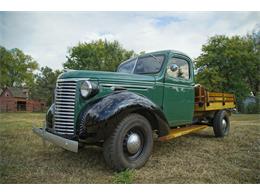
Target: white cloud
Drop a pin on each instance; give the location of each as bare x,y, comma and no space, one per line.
47,35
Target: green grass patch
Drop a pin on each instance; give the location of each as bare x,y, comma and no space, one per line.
124,177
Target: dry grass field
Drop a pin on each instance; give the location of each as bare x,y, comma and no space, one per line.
194,158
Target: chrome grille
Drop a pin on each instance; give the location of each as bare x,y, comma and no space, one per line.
64,107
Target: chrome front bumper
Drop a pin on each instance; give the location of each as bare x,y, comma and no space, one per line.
57,140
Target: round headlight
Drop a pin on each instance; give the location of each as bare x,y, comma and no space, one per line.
86,88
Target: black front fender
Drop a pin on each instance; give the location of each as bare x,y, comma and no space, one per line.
101,116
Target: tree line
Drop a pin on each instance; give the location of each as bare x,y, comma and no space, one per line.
18,69
231,64
226,64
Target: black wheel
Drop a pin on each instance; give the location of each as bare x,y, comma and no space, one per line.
221,123
130,145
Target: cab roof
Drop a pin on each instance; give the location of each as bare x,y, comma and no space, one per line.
165,52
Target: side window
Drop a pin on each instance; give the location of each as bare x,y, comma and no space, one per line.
183,69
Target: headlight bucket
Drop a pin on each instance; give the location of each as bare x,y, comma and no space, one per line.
88,89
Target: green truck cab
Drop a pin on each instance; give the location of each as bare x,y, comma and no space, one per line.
152,94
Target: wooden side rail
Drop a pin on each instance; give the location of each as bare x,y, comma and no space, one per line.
205,101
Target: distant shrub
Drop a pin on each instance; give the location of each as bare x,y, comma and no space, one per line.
251,108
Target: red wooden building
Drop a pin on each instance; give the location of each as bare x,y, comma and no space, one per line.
14,99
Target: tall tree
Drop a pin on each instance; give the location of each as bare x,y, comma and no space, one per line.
97,55
16,68
255,37
45,84
229,64
5,61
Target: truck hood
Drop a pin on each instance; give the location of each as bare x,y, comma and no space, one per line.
106,76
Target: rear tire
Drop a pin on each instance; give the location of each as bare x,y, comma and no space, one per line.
221,123
130,145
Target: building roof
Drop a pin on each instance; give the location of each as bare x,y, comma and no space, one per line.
18,92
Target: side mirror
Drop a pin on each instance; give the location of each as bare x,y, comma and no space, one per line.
174,67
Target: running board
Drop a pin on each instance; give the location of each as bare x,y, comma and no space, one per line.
177,132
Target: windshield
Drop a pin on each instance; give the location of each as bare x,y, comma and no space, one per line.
127,67
142,65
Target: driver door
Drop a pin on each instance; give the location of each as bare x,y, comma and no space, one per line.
178,102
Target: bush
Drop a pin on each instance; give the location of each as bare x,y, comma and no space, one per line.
251,108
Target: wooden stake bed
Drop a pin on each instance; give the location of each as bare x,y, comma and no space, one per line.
177,132
208,101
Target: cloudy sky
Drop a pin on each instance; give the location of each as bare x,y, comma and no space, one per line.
46,36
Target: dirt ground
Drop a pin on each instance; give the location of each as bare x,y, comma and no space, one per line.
194,158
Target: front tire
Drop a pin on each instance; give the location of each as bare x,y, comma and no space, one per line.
221,123
130,145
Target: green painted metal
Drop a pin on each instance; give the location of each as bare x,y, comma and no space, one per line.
174,97
178,99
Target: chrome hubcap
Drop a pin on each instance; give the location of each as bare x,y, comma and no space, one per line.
224,124
133,143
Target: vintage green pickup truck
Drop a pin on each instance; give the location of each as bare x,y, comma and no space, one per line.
150,96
